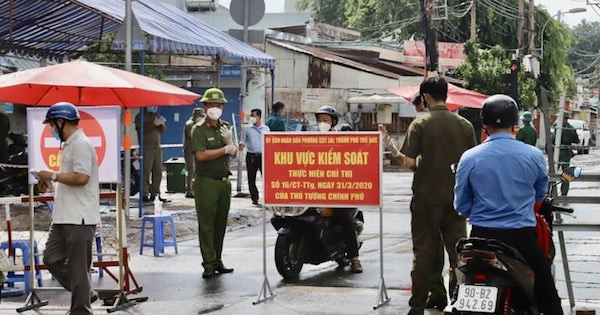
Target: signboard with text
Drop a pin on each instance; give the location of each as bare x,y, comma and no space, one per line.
337,169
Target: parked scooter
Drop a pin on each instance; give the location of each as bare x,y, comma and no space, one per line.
309,235
14,180
493,277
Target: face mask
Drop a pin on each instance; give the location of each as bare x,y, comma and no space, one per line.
199,119
252,120
152,109
323,126
55,134
214,113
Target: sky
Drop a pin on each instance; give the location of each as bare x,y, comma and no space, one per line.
552,6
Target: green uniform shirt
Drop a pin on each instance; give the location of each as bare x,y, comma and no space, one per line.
439,138
206,137
527,134
568,137
152,138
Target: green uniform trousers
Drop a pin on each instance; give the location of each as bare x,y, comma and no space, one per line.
437,290
213,199
564,161
428,223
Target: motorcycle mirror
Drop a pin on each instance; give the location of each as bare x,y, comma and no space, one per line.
569,174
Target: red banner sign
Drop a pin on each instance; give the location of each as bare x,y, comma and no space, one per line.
322,169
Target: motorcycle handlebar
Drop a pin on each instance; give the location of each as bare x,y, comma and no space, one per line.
562,209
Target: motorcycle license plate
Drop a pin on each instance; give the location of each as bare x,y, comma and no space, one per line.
475,298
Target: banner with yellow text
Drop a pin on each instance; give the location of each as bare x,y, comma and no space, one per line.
337,169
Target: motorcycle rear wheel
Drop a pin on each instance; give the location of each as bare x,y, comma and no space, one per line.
287,250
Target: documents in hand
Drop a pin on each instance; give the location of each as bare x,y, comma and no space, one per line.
50,185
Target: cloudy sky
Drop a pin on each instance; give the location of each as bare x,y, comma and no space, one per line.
553,6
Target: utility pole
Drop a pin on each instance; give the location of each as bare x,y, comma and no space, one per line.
531,27
520,25
474,21
431,53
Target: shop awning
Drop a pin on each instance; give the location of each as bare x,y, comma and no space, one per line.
59,28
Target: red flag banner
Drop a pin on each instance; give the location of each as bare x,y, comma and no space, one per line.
322,169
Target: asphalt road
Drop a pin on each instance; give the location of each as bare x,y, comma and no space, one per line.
173,283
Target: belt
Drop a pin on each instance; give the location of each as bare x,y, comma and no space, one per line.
255,154
219,178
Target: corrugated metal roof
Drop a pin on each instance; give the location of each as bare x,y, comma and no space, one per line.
322,54
60,27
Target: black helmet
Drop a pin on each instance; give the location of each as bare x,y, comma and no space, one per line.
499,111
328,110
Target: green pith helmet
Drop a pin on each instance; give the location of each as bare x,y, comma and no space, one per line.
527,116
213,95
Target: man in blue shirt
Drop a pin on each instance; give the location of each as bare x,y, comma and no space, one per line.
497,185
252,140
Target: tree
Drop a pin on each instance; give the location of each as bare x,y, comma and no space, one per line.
329,11
585,54
485,68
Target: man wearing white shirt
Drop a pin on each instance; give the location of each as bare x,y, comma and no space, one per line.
252,140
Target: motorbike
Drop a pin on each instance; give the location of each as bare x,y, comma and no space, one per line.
14,180
493,277
308,235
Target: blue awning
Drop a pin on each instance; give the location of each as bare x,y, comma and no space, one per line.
59,28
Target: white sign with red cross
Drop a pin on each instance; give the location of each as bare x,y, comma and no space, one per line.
101,124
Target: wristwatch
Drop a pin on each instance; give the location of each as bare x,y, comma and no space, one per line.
54,177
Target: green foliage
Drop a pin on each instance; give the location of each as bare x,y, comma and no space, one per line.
327,11
586,47
485,68
101,53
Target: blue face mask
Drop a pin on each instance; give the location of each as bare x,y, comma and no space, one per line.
152,109
55,134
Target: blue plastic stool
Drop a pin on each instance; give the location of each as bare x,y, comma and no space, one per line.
158,242
12,277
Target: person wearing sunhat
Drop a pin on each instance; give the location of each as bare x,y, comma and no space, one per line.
527,133
568,138
213,145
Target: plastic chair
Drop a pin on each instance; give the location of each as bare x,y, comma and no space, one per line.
158,242
23,246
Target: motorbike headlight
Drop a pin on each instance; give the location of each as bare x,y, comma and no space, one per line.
288,211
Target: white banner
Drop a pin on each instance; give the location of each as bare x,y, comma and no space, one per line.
102,124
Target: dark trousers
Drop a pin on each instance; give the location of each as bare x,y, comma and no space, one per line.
429,224
525,241
345,217
253,165
68,256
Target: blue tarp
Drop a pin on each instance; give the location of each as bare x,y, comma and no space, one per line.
56,28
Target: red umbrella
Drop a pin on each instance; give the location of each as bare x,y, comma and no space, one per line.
86,83
457,96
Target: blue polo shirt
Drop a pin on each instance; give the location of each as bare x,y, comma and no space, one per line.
498,182
252,138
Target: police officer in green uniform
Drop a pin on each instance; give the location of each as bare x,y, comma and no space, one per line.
212,144
568,137
527,133
433,143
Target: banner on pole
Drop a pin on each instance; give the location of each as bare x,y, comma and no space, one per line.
322,169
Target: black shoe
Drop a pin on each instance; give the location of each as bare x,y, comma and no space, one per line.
222,269
93,296
189,195
208,273
147,199
438,304
255,202
163,200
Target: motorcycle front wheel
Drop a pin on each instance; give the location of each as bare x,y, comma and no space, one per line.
287,258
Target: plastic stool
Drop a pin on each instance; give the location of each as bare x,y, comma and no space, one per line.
12,277
99,252
158,242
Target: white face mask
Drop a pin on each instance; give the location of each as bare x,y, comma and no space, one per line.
252,120
214,113
199,119
323,126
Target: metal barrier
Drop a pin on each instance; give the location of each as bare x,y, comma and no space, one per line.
561,227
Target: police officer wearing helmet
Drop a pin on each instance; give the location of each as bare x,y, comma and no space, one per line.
68,253
327,118
527,133
568,138
497,184
212,143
